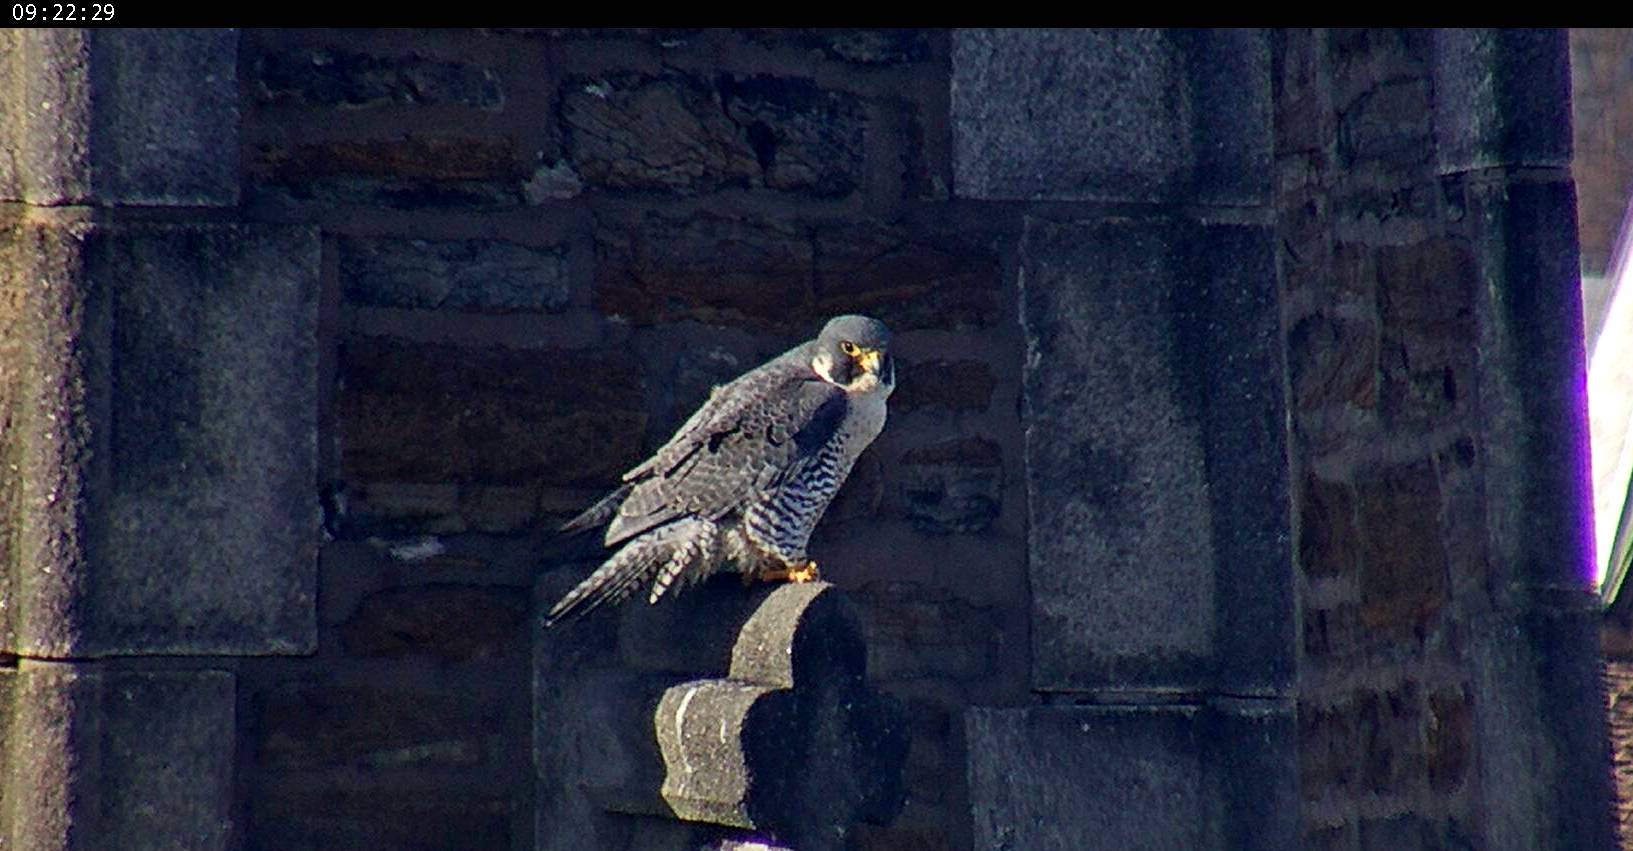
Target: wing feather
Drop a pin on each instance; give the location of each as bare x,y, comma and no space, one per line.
765,421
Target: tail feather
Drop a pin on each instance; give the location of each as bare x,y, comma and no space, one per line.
690,554
600,513
660,556
611,582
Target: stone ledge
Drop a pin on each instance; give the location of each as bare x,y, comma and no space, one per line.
747,709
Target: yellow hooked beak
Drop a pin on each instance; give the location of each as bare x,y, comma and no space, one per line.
870,359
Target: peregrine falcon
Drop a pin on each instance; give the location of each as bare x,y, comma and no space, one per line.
743,483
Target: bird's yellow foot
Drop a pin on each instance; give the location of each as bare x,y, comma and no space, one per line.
806,572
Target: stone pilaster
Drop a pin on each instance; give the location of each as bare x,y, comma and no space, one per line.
1503,138
1154,412
157,389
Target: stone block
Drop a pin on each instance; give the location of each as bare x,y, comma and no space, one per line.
12,73
938,834
98,758
427,413
804,138
334,77
163,410
667,37
790,276
907,280
934,755
1426,288
1155,432
1412,832
109,116
1340,837
643,132
873,47
295,817
1112,115
442,621
1302,90
1403,577
1057,777
419,157
1388,741
302,199
1619,685
1386,122
473,274
1334,631
1329,534
1425,292
396,508
688,134
919,632
953,487
500,510
948,385
1502,97
415,171
1449,739
714,269
1333,360
302,726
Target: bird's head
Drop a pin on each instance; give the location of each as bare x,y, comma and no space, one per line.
853,352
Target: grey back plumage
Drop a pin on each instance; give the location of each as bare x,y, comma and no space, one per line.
747,434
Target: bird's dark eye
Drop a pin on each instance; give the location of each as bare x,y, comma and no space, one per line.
849,348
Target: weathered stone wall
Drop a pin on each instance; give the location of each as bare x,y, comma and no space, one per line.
1231,495
1618,650
540,251
1429,270
158,376
1162,610
1379,312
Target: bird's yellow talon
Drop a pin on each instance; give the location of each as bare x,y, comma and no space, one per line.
805,573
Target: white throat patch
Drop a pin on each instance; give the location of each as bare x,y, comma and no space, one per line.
824,366
866,382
